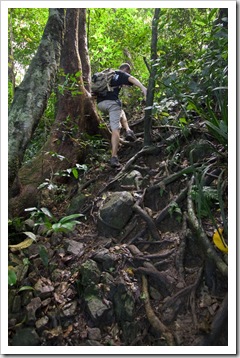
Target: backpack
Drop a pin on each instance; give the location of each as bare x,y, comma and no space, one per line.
101,82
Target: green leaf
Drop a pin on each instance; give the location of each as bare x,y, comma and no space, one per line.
12,277
75,173
68,218
25,288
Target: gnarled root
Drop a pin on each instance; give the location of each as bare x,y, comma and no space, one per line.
153,319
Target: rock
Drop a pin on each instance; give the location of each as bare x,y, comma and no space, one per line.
101,313
76,204
94,334
32,308
16,304
26,337
115,212
69,309
42,322
106,258
74,247
43,290
90,273
124,304
133,178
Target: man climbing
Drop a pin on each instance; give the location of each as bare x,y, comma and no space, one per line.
111,104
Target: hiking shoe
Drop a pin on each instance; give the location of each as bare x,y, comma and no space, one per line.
114,162
130,136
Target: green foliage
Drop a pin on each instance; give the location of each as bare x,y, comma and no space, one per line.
27,25
43,216
175,209
70,83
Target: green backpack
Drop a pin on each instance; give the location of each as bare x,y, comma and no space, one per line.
101,82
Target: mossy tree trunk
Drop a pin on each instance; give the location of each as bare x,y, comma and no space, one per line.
76,114
31,98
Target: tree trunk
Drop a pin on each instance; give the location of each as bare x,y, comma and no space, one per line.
76,113
31,98
151,83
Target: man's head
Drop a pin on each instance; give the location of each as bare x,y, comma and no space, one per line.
125,67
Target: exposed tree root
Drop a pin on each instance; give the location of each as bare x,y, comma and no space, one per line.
202,237
181,250
152,227
160,280
153,319
164,212
175,302
144,151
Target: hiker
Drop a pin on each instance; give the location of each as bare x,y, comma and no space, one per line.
110,103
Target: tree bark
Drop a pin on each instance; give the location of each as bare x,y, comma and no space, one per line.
31,98
151,82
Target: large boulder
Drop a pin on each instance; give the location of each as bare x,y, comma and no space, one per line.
115,212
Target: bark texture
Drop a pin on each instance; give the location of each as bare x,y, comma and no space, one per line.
31,98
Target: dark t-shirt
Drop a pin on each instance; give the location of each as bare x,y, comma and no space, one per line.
120,78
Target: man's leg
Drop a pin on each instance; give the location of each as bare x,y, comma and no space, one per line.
115,141
130,136
124,121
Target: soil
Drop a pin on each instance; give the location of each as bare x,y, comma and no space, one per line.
178,290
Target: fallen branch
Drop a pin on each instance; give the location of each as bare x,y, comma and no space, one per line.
153,319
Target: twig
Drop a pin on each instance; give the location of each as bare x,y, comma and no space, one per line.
153,319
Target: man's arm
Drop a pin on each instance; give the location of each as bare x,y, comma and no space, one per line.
137,83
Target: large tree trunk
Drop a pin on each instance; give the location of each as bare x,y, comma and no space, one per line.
76,114
32,95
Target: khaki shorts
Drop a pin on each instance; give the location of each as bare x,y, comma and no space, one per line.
115,112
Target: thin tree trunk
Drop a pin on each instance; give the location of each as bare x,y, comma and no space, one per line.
83,50
32,95
151,82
